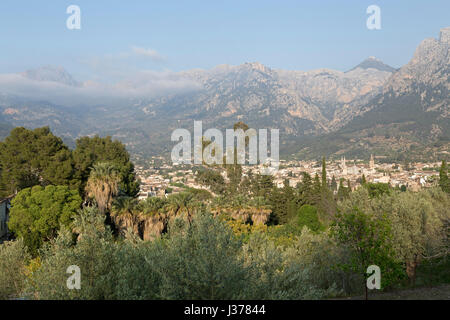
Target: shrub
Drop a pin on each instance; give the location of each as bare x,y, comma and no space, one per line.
13,259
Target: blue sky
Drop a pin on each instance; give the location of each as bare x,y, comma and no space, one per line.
297,35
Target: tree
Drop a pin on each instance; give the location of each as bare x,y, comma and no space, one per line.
444,182
305,192
324,173
13,259
342,191
90,151
103,185
124,215
212,179
94,253
363,179
333,184
262,185
37,213
417,223
369,241
416,220
377,189
307,216
317,187
201,260
282,202
34,157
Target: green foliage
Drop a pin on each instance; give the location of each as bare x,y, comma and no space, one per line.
343,192
211,178
37,213
276,273
369,239
333,184
444,182
377,189
13,260
90,151
103,184
307,216
94,253
200,194
281,201
34,157
200,261
416,221
37,157
324,173
306,194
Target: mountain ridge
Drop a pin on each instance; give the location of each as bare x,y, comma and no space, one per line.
306,105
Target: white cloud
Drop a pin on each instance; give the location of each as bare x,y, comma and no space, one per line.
149,53
140,85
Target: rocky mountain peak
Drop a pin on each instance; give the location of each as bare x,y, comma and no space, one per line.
444,37
256,66
428,67
374,63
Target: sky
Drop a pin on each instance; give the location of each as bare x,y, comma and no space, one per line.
117,37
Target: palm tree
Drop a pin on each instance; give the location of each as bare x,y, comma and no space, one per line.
103,185
172,205
152,216
124,215
260,210
152,206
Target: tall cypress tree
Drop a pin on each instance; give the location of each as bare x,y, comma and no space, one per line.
363,179
343,191
324,173
333,184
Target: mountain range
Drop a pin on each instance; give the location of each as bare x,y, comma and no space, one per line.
400,114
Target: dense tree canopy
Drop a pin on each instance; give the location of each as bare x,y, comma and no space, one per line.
307,216
416,221
369,240
37,157
34,157
90,151
38,212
